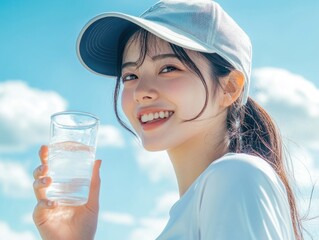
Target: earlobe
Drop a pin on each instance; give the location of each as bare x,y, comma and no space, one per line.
232,86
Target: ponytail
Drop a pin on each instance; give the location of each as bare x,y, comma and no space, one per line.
251,130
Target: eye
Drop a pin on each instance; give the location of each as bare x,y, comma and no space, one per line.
128,77
168,69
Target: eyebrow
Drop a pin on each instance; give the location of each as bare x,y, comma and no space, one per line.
154,58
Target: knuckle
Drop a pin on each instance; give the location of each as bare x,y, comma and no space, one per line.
37,207
36,172
40,150
35,184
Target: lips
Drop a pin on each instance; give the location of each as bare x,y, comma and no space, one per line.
151,119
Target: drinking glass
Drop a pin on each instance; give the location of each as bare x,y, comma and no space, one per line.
72,146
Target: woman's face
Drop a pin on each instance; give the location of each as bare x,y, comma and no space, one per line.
161,94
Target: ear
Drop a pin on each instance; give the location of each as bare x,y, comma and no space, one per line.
232,86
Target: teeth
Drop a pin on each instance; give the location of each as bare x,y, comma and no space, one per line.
144,118
151,116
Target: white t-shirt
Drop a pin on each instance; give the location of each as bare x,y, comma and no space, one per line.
237,197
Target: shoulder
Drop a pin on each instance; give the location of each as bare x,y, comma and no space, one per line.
242,163
243,193
246,168
241,176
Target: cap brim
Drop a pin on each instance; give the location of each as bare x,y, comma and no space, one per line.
98,42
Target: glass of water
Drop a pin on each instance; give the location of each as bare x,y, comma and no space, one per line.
73,138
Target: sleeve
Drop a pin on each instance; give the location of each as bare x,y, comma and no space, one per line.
240,201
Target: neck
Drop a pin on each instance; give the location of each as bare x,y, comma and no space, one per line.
193,157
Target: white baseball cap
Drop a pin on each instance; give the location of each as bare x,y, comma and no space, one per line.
200,25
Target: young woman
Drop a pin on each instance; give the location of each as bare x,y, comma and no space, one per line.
183,72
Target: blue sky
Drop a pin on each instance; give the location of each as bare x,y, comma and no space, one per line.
40,74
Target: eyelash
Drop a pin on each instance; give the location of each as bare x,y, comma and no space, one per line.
170,67
123,78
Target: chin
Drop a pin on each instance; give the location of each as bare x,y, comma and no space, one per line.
154,146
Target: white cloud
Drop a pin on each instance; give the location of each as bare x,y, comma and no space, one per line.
145,228
156,164
292,100
118,218
165,202
27,218
302,163
25,114
149,228
311,216
304,202
15,181
7,233
110,136
162,206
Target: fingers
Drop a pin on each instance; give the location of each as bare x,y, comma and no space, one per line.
40,171
93,201
39,187
41,182
43,154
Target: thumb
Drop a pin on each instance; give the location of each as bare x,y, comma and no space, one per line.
93,200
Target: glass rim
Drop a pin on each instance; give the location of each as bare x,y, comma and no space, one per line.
79,113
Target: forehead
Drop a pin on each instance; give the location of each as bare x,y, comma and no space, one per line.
138,42
151,45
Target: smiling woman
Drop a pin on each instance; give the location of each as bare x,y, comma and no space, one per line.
184,70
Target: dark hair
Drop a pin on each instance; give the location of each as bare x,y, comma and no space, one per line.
250,129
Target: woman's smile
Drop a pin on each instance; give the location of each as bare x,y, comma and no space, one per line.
155,119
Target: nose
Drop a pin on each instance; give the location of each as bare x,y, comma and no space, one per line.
145,91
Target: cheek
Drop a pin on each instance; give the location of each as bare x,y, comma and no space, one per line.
189,97
127,104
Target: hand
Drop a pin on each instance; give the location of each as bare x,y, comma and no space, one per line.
64,222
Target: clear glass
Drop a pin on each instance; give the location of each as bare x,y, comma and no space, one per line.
72,146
